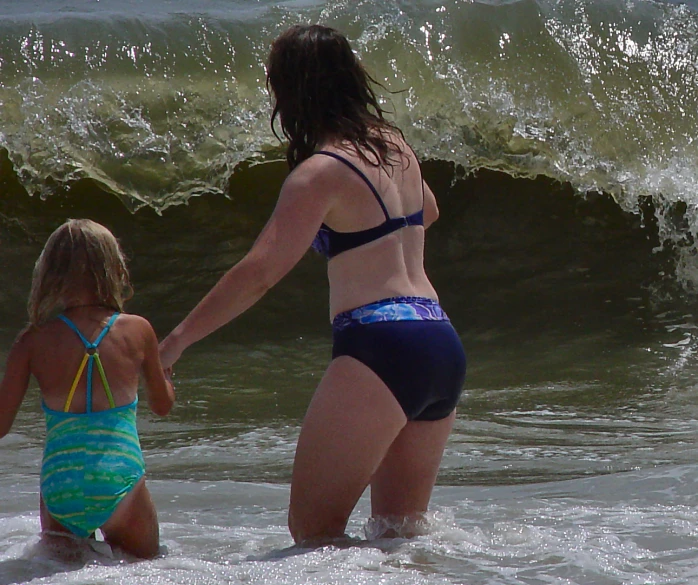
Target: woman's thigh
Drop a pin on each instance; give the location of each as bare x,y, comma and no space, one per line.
401,487
351,422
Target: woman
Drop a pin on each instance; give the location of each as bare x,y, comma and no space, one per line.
383,410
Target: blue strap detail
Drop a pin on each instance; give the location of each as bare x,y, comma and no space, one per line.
86,343
70,324
358,171
105,330
88,395
89,346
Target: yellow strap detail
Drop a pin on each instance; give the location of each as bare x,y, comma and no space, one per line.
102,375
66,408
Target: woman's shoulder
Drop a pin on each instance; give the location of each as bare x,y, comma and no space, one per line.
323,160
398,152
333,162
316,173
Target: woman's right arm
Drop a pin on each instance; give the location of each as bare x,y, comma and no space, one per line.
15,381
304,201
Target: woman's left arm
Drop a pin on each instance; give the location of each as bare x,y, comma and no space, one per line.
15,382
303,203
431,209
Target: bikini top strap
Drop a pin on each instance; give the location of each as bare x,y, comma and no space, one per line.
359,172
90,358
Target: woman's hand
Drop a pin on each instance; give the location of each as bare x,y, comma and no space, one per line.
169,352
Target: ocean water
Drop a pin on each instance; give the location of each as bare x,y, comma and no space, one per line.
559,137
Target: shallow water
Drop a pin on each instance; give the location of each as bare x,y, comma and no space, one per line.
572,459
634,527
584,478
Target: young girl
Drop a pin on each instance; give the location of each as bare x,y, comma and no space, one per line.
87,355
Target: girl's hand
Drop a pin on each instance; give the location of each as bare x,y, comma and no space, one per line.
169,374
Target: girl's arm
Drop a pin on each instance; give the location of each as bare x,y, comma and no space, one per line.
160,389
304,201
15,381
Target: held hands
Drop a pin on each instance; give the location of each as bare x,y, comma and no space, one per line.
169,374
169,352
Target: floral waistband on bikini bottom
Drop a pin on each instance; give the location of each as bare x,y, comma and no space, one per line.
392,309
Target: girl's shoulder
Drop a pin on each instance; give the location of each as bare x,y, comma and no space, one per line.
133,318
132,331
129,319
25,338
134,322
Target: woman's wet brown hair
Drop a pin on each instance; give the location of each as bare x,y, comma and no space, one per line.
321,92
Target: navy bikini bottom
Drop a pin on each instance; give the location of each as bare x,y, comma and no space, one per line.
412,347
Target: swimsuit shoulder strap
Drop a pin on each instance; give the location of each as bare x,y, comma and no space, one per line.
90,358
74,327
359,172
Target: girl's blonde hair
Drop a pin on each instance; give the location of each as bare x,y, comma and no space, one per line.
79,254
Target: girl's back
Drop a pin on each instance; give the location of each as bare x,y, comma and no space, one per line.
57,352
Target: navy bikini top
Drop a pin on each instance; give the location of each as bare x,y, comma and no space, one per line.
330,243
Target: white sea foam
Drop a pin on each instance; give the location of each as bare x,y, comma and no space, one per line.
630,528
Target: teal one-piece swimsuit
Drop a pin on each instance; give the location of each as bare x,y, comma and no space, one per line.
92,460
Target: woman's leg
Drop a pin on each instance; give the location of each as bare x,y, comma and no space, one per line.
402,485
351,422
133,527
